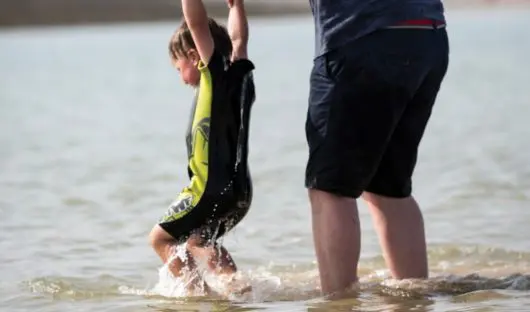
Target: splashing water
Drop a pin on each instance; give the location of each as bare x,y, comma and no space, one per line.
225,287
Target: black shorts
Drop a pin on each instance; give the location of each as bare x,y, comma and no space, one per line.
369,104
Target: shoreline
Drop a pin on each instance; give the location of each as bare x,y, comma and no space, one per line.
31,13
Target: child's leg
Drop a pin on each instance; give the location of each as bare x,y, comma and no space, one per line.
218,262
165,246
218,259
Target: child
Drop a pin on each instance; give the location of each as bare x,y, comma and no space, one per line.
213,59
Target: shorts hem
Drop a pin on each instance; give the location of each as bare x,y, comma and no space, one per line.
338,191
389,194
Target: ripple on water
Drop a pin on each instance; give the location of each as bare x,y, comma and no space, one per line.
300,283
78,201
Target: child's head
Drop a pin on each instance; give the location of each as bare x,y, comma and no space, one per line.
184,54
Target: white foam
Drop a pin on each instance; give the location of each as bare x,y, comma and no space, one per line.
170,286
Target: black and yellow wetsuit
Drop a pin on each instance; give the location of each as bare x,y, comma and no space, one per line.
220,190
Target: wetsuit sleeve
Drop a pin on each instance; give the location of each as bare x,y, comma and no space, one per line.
240,68
216,66
241,79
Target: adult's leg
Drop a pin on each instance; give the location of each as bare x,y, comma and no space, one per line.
353,109
399,225
396,215
337,239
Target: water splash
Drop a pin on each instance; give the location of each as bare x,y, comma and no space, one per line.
177,287
276,283
220,287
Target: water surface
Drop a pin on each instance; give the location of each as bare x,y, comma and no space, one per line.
92,122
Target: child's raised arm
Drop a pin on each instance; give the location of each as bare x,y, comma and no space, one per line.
197,19
238,29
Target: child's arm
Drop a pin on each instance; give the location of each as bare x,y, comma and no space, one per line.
238,29
197,19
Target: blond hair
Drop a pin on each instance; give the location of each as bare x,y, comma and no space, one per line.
182,41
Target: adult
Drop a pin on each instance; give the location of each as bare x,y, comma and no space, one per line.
377,71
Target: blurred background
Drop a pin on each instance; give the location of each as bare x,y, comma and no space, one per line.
67,12
92,124
54,12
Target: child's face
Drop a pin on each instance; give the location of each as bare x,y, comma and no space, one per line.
187,67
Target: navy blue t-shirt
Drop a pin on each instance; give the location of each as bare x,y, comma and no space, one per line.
338,22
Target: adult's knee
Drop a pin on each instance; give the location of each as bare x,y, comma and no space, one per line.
320,195
379,199
322,202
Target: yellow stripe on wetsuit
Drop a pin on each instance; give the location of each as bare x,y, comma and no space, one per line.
198,161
